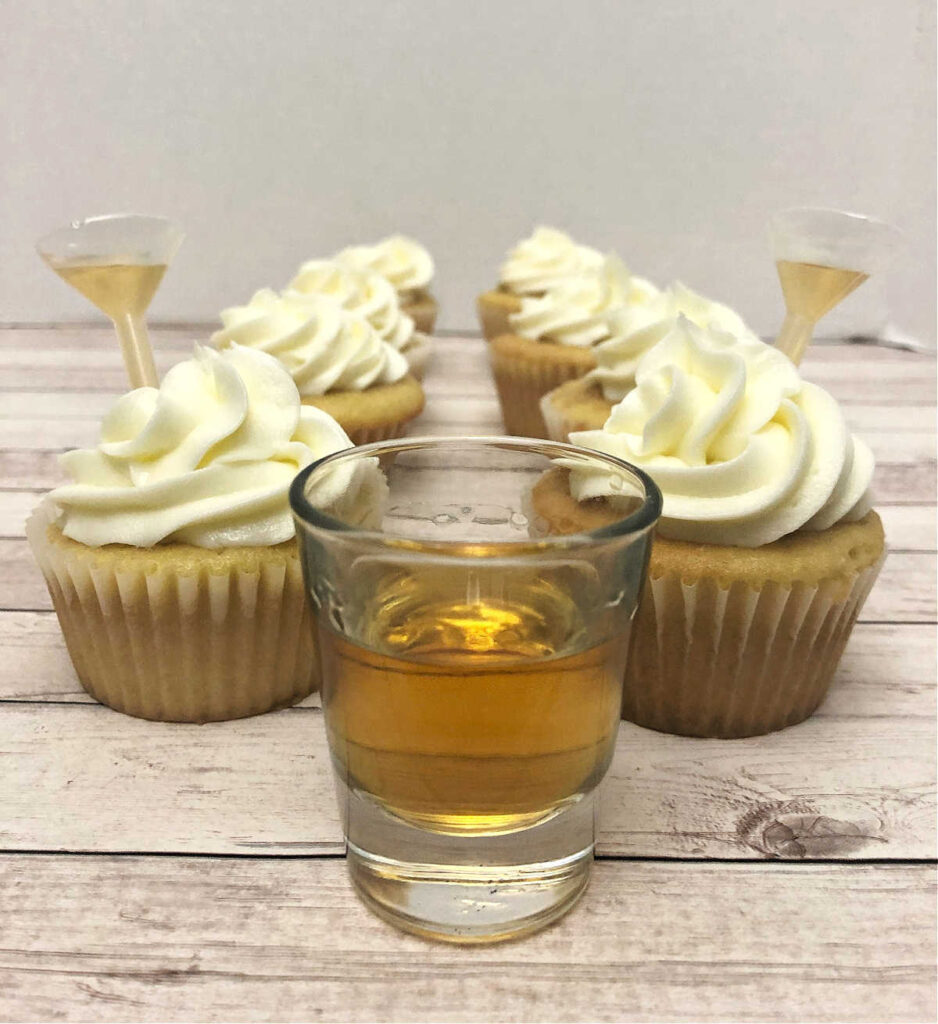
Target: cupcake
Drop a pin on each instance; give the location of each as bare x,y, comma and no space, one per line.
336,358
171,557
585,403
408,267
536,265
551,339
369,295
766,548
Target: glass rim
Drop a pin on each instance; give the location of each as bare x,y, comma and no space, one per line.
44,243
636,522
836,210
893,234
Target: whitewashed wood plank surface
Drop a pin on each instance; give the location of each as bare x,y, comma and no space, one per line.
893,664
50,360
55,405
166,939
278,934
865,763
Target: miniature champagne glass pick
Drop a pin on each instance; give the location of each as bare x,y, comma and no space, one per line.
117,262
822,256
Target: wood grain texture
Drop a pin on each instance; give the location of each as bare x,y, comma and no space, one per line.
864,763
165,939
273,930
891,665
87,359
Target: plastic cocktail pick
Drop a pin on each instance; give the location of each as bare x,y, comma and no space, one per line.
822,256
117,262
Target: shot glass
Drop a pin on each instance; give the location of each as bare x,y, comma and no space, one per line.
472,648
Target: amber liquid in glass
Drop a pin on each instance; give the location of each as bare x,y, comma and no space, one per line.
470,714
811,289
117,289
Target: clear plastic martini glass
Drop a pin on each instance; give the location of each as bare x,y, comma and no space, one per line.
822,256
117,262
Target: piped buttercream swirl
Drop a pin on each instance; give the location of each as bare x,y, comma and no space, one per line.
362,292
325,347
402,261
743,449
585,310
205,459
545,260
642,325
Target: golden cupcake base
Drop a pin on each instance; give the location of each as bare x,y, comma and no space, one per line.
494,308
423,309
575,405
178,633
525,371
379,413
731,642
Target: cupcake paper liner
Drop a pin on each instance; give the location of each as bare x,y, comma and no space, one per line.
737,661
423,311
561,423
522,382
418,356
555,423
155,643
493,309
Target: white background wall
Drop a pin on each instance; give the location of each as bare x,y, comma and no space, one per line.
276,131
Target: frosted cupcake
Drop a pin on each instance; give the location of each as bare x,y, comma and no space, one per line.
171,558
408,267
585,403
552,339
766,548
336,358
370,295
537,264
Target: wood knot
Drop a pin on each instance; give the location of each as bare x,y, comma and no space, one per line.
794,831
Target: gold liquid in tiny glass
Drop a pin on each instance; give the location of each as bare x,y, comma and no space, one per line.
117,289
812,289
470,714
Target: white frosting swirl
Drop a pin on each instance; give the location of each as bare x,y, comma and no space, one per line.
362,292
546,259
744,451
584,310
404,262
206,459
325,347
641,326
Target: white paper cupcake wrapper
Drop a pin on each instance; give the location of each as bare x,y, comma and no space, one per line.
418,355
185,648
737,661
493,317
522,386
553,419
423,312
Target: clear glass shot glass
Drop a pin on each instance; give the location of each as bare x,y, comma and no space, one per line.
472,626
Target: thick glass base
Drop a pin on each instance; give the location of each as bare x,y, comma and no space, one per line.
469,888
